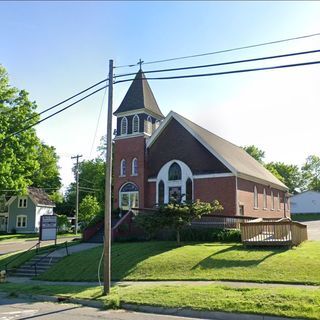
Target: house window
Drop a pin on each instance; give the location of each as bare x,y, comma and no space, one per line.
135,124
129,196
22,202
255,197
124,126
157,124
149,125
265,204
272,200
21,221
134,169
189,190
174,172
123,168
279,201
161,192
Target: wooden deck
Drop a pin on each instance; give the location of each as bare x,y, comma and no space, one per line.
276,233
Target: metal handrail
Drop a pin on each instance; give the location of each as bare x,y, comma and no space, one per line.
35,264
21,254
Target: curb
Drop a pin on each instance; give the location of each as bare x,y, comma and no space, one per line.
213,315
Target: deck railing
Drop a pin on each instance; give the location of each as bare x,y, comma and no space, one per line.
273,233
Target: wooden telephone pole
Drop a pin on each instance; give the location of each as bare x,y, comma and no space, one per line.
107,212
77,192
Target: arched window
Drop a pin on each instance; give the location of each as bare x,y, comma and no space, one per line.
255,197
135,124
174,172
272,200
265,204
157,124
161,192
123,168
134,167
124,126
129,196
149,125
189,190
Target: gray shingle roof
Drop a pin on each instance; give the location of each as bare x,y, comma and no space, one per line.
139,96
40,197
234,157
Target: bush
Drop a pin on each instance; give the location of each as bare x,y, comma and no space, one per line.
209,234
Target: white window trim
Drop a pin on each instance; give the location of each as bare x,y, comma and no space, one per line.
133,123
124,120
265,199
134,174
255,198
21,216
122,174
23,198
149,125
129,193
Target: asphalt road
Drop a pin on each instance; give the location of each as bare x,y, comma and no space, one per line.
14,309
7,247
313,229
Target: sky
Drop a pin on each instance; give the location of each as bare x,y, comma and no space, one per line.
56,49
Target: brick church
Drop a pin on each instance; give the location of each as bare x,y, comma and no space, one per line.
158,157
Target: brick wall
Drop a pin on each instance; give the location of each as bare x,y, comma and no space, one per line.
129,149
246,198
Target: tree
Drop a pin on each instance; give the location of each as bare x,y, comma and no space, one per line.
311,173
88,209
255,152
176,215
24,160
289,174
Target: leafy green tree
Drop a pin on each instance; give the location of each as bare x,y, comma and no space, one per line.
88,209
311,173
289,174
255,152
18,153
24,160
47,176
175,215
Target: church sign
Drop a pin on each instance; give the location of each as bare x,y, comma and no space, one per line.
48,228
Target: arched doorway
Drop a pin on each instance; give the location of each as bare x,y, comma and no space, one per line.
129,196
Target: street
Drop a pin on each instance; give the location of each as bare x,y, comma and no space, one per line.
14,309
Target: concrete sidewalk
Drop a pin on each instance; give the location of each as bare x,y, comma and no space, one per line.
234,284
60,253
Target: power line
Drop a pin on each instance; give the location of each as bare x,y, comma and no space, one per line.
226,72
55,113
234,49
224,63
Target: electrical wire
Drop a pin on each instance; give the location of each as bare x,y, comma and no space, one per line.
55,113
234,49
225,72
224,63
98,122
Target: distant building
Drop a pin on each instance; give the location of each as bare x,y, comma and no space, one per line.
305,202
23,212
157,158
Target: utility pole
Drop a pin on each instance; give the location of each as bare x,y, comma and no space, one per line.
77,191
107,210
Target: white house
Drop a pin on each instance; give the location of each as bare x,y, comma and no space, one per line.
305,202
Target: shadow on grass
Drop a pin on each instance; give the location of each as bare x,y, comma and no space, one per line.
127,256
217,260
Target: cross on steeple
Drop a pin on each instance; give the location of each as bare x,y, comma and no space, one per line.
140,63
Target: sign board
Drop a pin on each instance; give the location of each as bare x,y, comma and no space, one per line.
48,227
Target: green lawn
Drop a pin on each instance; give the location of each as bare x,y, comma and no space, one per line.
207,261
305,217
298,303
18,258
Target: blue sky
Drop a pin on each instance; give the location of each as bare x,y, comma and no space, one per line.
55,49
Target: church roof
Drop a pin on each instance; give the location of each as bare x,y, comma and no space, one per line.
139,96
233,157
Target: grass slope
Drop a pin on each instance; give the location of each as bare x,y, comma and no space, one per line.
298,303
207,261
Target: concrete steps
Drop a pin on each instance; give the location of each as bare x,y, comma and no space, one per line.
42,265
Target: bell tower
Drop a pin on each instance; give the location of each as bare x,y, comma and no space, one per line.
137,117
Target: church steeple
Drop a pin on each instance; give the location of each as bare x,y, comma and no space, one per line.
140,97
